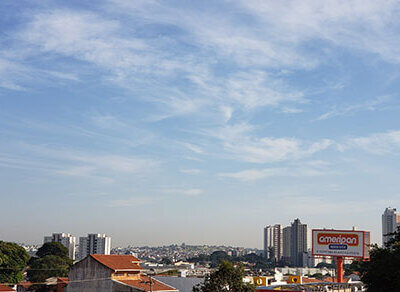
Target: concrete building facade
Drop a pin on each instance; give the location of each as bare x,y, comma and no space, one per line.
390,222
286,243
66,240
273,242
299,238
94,244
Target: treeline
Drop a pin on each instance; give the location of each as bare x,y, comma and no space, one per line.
51,260
217,257
382,272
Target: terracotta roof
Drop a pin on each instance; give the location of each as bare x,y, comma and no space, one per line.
144,284
118,262
5,288
310,280
25,284
62,280
330,279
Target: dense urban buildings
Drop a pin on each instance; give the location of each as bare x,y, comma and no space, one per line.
390,222
65,239
291,244
273,242
94,244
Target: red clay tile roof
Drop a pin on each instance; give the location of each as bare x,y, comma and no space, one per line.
144,284
25,284
310,280
118,262
5,288
330,279
62,280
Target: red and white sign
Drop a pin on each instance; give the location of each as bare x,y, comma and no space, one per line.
343,243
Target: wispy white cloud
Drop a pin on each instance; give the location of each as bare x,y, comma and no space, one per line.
184,192
239,143
291,110
369,105
16,74
256,89
107,121
190,171
293,171
85,36
254,174
378,143
115,163
227,112
247,44
10,73
85,173
194,148
340,23
131,60
78,164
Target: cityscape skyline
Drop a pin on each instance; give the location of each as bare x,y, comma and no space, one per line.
271,235
160,122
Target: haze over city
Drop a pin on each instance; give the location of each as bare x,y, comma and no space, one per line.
160,122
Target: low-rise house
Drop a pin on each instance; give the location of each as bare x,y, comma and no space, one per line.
112,273
53,284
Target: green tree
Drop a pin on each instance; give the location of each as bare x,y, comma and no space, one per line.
355,266
52,248
13,260
51,261
318,276
382,272
325,265
48,266
259,261
217,257
201,259
226,278
166,261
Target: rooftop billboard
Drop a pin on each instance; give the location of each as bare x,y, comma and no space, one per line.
341,243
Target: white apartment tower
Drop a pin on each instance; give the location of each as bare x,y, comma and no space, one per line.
390,222
94,244
273,242
65,239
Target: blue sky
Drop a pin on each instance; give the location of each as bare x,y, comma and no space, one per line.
162,122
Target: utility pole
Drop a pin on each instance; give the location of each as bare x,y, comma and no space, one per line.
150,281
151,284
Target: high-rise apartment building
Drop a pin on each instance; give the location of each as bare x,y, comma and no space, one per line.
94,244
65,239
286,232
390,222
273,242
299,238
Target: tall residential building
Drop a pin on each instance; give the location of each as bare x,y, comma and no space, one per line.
273,242
94,244
286,244
390,222
298,243
65,239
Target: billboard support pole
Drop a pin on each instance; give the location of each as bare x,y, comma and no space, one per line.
339,269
